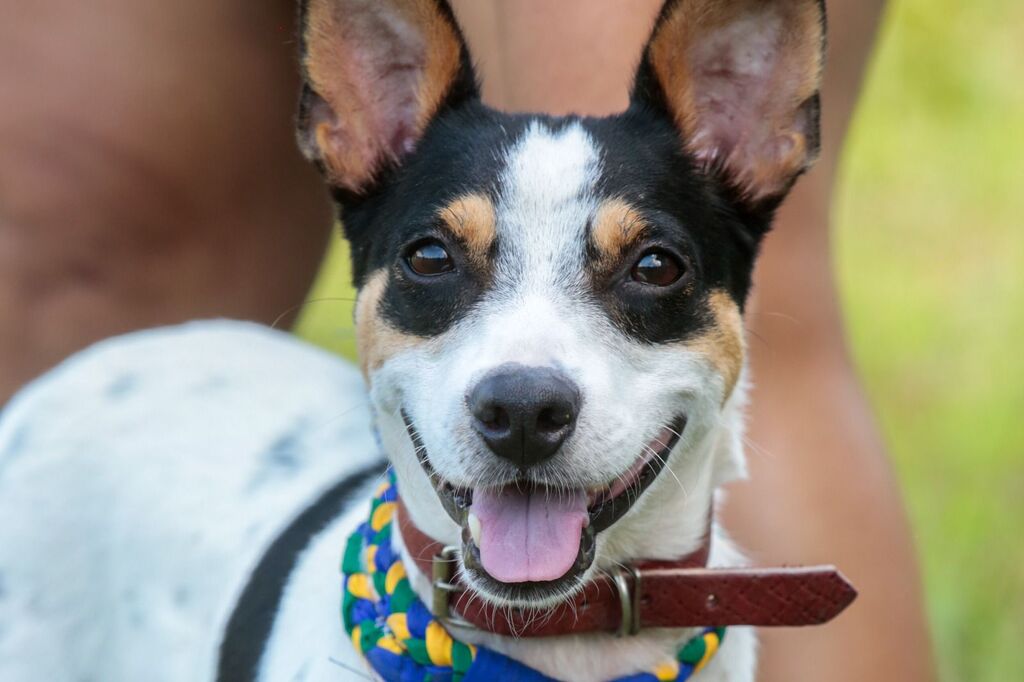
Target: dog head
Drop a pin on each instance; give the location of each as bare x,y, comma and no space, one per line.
550,309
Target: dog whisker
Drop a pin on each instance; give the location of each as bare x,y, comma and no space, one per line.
758,449
665,467
299,306
350,669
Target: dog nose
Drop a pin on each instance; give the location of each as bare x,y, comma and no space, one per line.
524,414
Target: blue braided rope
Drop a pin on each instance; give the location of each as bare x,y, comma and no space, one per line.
403,642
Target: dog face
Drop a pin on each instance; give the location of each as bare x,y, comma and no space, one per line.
550,309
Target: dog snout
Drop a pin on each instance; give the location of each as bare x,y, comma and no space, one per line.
524,414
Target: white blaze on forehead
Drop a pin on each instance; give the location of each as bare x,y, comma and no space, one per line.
534,313
546,201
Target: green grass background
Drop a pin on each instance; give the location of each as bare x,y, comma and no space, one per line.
930,257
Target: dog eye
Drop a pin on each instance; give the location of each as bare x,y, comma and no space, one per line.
430,259
658,268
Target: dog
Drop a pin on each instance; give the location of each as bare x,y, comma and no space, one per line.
550,328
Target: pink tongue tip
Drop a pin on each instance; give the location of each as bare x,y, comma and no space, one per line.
529,536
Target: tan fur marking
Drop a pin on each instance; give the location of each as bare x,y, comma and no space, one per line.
377,340
797,76
472,219
444,55
617,226
352,148
724,344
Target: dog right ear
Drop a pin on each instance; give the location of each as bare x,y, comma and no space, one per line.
376,73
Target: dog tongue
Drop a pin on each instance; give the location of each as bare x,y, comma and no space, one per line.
529,536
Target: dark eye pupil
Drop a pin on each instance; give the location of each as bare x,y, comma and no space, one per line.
430,259
658,269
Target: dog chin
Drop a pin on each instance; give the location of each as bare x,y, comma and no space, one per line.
529,544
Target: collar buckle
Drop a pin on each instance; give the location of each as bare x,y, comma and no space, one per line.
628,581
443,586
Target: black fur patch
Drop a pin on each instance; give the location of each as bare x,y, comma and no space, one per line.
643,163
688,213
459,155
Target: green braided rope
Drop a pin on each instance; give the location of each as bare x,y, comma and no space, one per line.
401,639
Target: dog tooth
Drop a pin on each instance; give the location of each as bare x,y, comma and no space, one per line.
475,529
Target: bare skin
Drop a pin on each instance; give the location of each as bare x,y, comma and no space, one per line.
162,184
148,172
821,488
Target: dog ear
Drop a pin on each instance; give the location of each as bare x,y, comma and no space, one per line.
740,80
376,72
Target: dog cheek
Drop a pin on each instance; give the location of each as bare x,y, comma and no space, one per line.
377,340
723,345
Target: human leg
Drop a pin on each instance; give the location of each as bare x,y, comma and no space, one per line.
821,487
149,173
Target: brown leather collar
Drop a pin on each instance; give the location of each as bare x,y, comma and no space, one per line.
652,594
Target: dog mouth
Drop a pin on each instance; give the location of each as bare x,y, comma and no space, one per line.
526,540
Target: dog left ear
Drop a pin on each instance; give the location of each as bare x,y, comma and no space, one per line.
376,73
740,80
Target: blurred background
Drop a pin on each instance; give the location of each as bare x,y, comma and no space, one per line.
929,246
928,241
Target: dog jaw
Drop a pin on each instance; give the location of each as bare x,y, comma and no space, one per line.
668,518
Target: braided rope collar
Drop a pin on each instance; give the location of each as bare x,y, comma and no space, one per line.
402,641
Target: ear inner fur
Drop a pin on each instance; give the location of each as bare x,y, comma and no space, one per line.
444,57
377,340
724,343
697,64
381,71
472,218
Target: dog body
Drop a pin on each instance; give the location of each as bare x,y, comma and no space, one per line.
550,328
141,486
146,487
